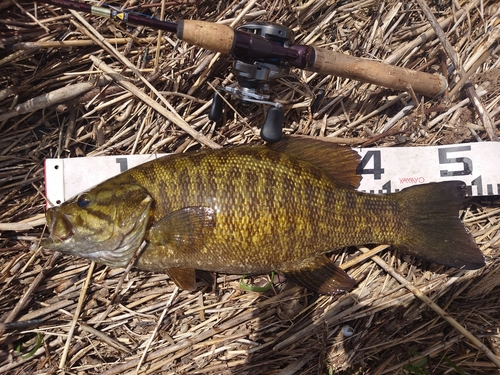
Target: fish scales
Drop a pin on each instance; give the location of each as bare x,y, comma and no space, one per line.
269,204
253,210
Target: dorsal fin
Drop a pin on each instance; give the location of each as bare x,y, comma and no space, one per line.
339,162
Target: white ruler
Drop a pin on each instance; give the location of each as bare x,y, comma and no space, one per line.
384,170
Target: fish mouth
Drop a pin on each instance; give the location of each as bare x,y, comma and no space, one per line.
60,226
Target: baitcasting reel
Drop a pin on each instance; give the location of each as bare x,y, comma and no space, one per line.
253,76
264,51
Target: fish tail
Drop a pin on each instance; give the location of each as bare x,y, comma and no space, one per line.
433,231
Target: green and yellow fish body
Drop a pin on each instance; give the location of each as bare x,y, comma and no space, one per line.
256,209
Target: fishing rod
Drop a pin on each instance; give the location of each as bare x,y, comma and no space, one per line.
265,51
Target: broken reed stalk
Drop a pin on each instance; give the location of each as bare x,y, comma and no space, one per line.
390,270
452,54
122,81
63,94
74,43
78,310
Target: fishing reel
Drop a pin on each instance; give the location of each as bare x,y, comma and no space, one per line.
253,76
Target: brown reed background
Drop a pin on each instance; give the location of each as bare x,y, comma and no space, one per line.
55,103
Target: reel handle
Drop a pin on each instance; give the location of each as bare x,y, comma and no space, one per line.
272,128
215,113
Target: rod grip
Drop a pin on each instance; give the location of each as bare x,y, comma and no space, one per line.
209,35
370,71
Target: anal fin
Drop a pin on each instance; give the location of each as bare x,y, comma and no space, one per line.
322,275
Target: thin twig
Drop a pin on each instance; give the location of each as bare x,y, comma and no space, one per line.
122,81
390,270
158,324
76,315
452,54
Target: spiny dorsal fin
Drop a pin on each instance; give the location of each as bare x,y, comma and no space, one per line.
321,275
339,162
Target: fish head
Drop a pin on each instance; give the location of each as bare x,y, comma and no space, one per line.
105,224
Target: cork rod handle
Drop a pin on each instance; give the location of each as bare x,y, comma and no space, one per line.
209,35
378,73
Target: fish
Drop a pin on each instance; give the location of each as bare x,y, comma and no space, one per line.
256,209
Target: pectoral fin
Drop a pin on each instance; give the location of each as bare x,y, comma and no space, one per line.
184,278
321,275
183,230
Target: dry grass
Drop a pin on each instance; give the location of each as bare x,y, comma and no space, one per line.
138,320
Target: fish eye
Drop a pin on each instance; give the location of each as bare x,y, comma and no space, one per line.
84,201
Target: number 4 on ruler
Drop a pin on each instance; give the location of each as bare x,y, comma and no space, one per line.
377,169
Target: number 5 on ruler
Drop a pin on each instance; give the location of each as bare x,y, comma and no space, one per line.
444,159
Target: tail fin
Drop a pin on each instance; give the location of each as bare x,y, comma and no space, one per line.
434,232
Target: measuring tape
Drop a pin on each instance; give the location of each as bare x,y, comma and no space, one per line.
384,170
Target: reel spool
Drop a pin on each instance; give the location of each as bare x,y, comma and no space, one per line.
253,76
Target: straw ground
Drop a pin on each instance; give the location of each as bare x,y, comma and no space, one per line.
60,313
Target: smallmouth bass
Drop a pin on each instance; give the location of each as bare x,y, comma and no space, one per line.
257,209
